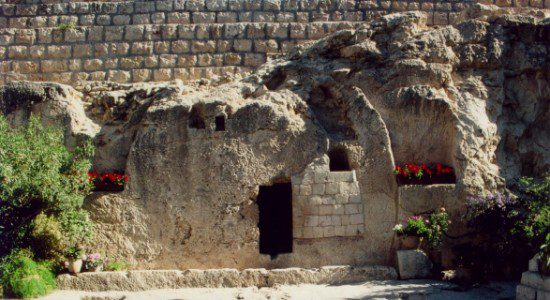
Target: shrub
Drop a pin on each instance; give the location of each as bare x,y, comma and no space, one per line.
42,188
21,276
432,227
508,229
115,266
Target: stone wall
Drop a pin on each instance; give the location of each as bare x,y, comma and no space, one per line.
133,41
327,204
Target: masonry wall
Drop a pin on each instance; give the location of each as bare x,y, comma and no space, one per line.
132,41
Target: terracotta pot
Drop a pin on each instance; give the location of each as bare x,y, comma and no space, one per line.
75,266
410,242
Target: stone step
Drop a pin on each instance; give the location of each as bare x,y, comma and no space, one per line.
218,278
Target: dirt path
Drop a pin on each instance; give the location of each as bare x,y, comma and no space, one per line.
412,289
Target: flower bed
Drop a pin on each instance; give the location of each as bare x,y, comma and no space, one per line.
107,182
424,175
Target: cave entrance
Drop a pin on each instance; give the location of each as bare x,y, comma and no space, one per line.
275,205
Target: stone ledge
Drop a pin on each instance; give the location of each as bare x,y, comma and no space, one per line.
216,278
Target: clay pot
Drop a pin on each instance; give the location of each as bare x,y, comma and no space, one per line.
410,242
75,266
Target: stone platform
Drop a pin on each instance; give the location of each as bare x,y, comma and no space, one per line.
218,278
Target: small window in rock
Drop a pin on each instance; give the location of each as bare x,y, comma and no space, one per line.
338,160
196,119
220,123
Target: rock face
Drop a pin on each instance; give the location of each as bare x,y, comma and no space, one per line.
413,264
474,96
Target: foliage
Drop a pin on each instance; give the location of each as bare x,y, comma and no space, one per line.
66,26
74,253
432,227
508,228
115,265
42,188
23,277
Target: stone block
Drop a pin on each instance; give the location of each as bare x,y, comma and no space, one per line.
351,230
18,52
413,264
532,279
534,264
351,209
332,188
318,189
242,45
342,176
339,209
328,231
315,200
320,176
525,293
203,46
25,67
355,199
118,76
324,220
139,75
305,189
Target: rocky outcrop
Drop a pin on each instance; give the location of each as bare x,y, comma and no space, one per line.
473,96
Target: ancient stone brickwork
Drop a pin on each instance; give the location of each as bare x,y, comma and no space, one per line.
327,204
133,41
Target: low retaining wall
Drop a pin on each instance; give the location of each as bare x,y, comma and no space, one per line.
217,278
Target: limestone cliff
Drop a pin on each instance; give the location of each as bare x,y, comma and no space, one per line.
474,96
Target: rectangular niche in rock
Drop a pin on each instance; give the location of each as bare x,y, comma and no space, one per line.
220,123
107,181
275,206
408,174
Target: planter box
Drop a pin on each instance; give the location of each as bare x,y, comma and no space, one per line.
107,187
427,180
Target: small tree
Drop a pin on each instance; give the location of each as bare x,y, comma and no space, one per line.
42,188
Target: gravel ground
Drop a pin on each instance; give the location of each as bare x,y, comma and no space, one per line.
410,289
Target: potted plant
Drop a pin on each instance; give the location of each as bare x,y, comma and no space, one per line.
412,233
416,228
94,262
75,256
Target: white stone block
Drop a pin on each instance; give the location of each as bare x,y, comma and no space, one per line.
340,231
534,264
315,200
321,176
338,209
307,232
328,231
325,220
413,264
311,221
318,189
308,178
345,220
351,209
336,221
341,199
325,210
332,188
328,200
305,189
318,232
342,176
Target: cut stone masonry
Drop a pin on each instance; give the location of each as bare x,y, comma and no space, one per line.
327,204
135,41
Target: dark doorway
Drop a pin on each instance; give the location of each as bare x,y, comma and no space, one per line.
338,160
220,123
275,205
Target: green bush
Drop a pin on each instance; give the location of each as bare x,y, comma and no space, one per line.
21,276
508,229
42,188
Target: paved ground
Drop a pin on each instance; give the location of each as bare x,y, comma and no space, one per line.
411,289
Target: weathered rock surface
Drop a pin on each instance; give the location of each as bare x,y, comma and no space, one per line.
474,96
217,278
